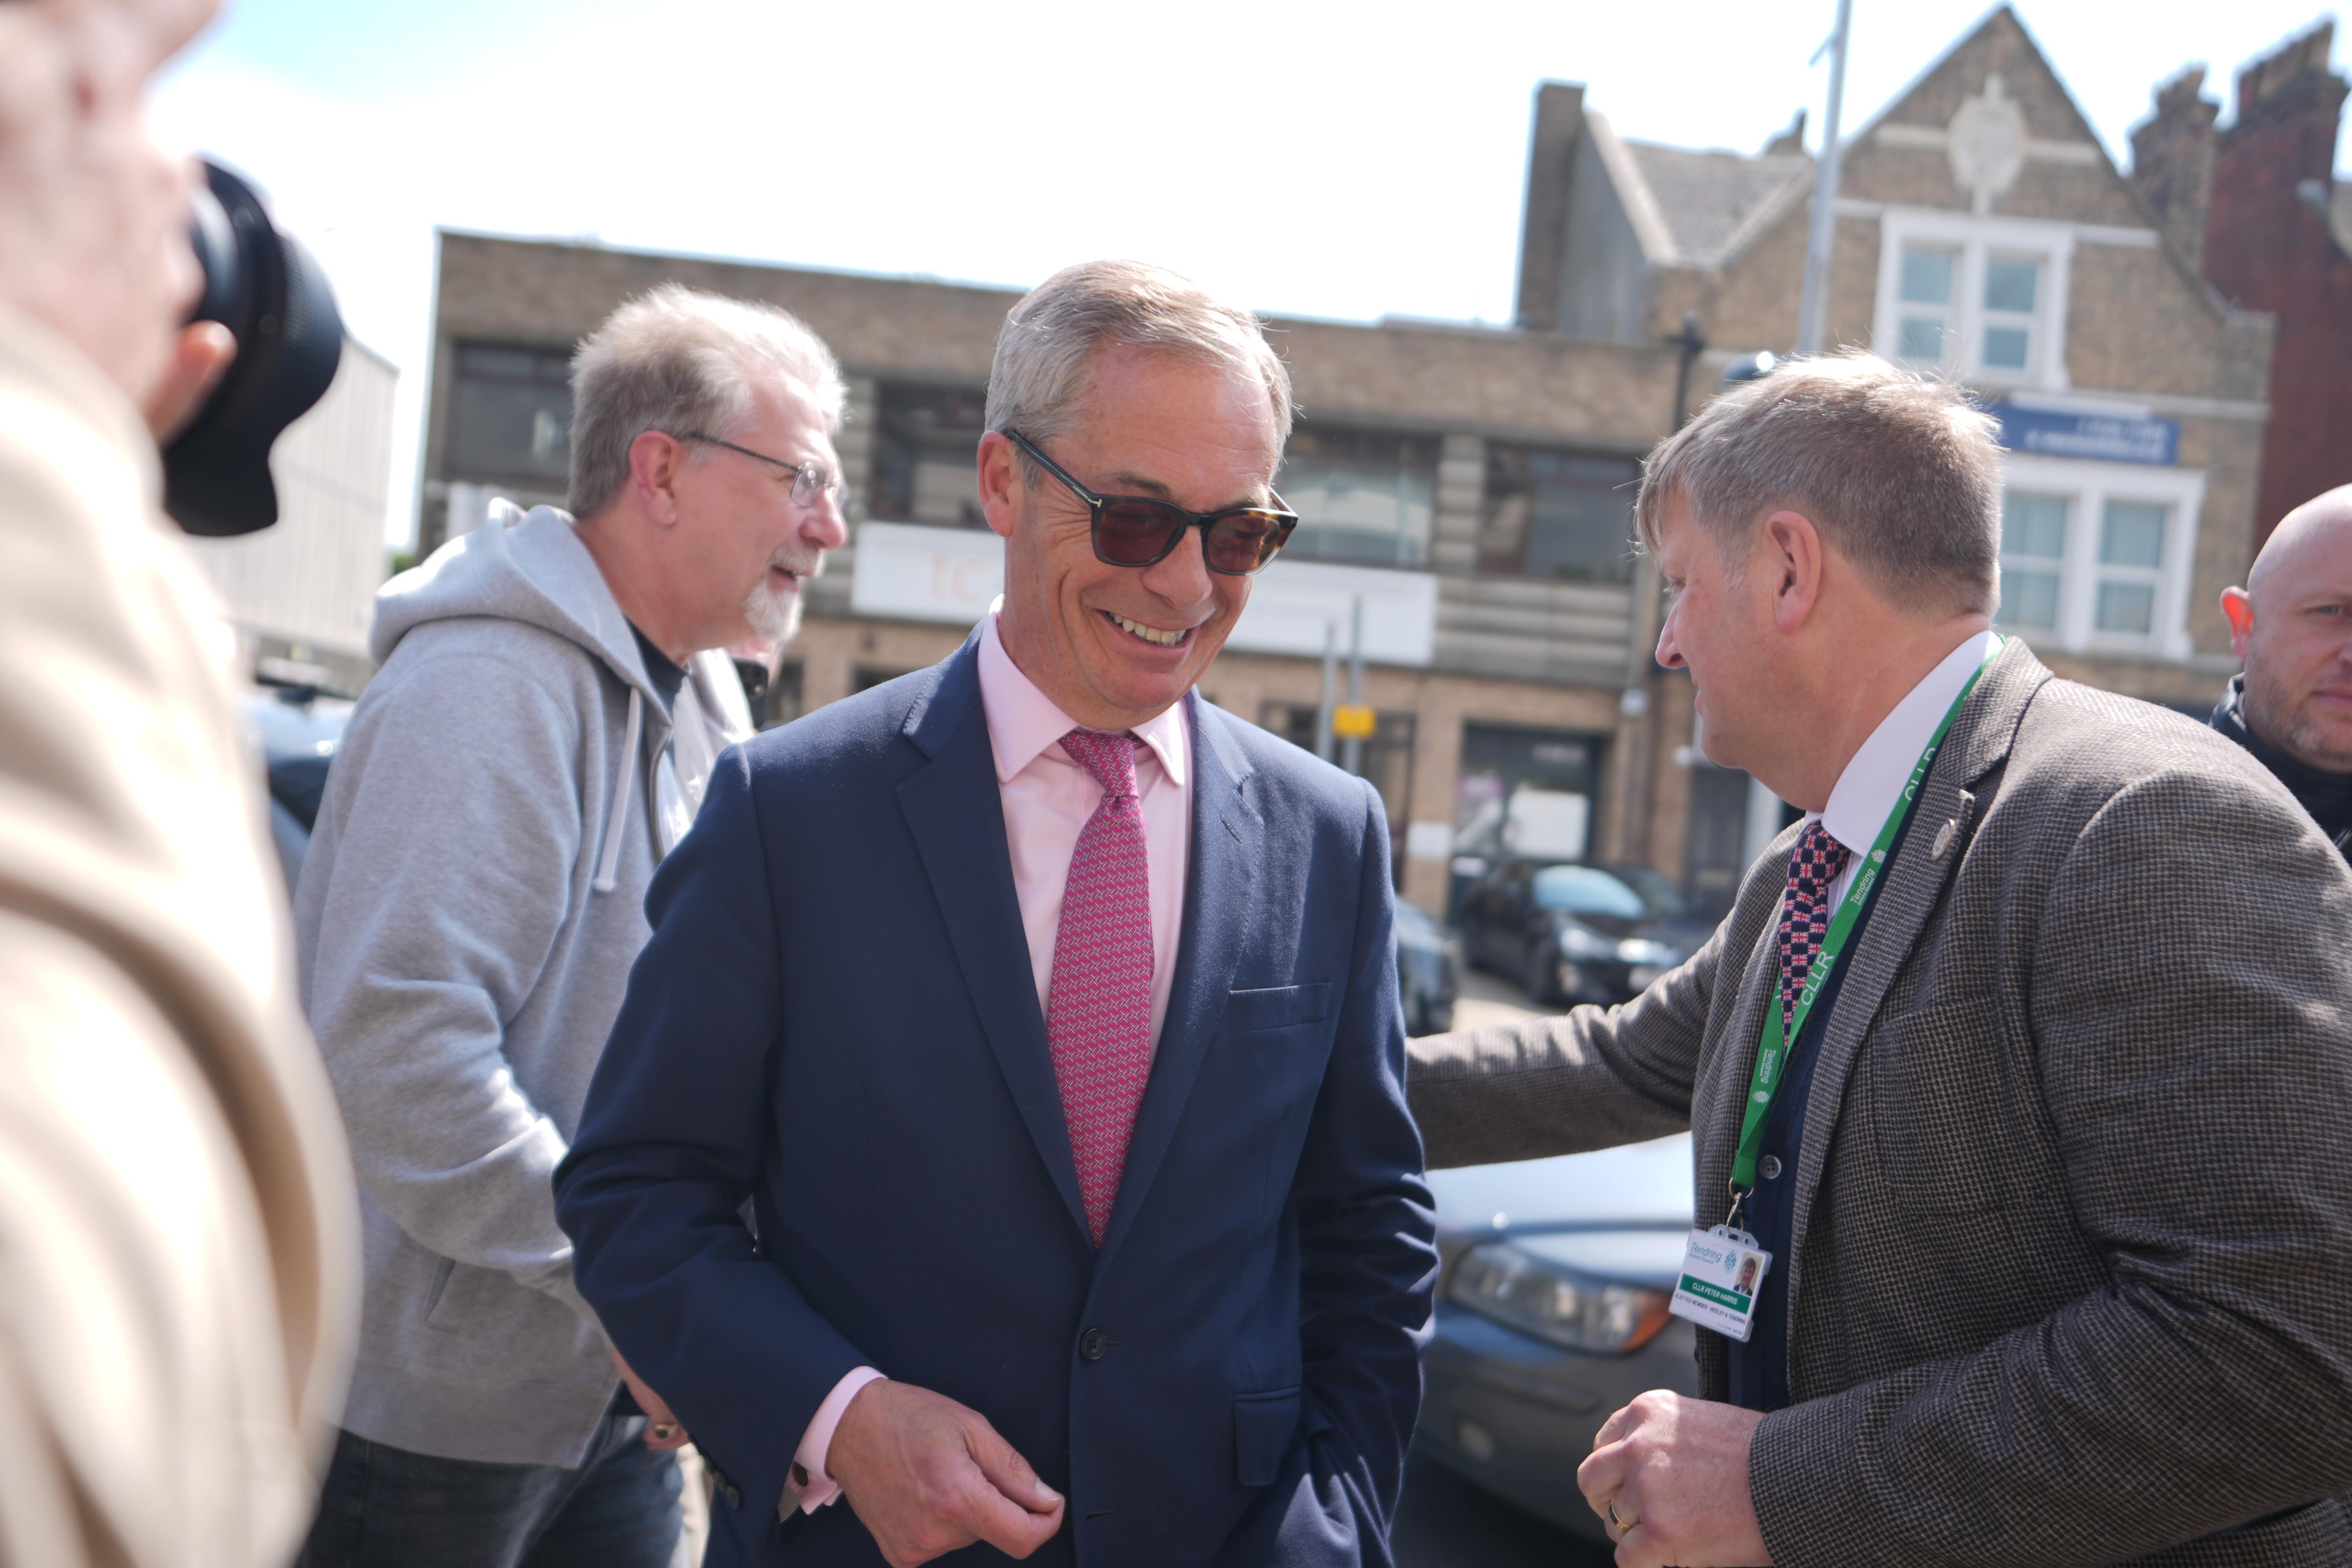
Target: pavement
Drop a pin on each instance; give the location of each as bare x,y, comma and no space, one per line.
1443,1521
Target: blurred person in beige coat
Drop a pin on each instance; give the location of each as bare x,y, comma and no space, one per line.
178,1255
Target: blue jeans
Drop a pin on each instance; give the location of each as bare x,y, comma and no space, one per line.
387,1508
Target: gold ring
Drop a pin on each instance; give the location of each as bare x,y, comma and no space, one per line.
1620,1525
664,1430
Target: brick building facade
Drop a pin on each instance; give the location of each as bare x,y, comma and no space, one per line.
1982,233
1471,485
2258,207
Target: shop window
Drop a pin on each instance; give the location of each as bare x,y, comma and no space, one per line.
926,455
510,415
1565,516
1362,496
1520,792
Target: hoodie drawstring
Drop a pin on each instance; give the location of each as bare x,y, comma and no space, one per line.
608,864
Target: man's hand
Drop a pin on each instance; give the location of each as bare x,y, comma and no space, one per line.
928,1476
200,356
93,217
1674,1472
663,1429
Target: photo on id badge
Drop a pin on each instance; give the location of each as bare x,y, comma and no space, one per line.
1721,1270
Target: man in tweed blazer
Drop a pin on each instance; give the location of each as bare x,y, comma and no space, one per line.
2063,1264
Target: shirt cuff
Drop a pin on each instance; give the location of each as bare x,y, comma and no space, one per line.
809,1488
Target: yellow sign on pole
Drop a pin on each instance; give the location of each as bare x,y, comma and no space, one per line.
1353,722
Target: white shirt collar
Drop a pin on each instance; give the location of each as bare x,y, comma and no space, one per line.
1023,723
1873,780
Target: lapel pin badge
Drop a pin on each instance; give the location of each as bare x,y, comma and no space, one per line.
1944,838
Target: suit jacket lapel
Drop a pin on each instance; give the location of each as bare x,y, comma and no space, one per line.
1220,885
957,817
1979,740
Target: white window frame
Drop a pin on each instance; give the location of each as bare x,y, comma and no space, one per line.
2088,487
1977,238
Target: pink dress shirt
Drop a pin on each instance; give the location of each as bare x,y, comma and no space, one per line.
1046,799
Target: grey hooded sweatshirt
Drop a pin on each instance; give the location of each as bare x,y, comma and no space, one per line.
472,902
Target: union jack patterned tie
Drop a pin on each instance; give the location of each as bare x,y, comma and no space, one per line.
1813,865
1098,1002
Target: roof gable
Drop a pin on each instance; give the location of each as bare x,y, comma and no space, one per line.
1989,127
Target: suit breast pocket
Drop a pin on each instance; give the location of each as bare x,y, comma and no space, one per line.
1277,1008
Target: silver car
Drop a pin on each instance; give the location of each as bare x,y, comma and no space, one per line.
1551,1314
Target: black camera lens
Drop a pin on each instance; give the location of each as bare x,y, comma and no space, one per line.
272,297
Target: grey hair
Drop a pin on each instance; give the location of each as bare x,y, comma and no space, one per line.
1044,355
1901,473
677,359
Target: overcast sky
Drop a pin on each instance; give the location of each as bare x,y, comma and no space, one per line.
1348,162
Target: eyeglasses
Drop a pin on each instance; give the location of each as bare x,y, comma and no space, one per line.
810,479
1139,531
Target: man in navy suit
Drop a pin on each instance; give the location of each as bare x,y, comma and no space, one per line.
1046,1018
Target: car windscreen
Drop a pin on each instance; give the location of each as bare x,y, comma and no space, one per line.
1586,890
1657,893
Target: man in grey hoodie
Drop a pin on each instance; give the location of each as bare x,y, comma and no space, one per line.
546,714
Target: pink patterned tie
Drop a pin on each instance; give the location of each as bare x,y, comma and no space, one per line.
1813,866
1099,1005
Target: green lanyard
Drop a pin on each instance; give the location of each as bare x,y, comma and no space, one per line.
1772,1050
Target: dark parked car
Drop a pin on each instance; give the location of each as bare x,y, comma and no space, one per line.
296,731
1574,932
1429,971
1551,1314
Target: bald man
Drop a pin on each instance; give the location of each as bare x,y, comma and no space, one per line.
2290,626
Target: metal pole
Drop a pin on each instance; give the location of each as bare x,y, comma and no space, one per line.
1330,690
1812,324
1353,757
1691,344
1764,809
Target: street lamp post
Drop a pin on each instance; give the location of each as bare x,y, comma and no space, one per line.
1764,809
1821,240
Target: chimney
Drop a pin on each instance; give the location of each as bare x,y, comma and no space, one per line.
2172,162
1790,142
2289,104
1543,225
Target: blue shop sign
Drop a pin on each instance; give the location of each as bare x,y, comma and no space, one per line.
2104,438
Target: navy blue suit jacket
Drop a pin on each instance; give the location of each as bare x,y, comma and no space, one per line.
836,1020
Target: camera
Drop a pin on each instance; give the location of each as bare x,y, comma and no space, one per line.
272,296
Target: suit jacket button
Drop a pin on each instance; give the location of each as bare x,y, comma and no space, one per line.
734,1496
1094,1344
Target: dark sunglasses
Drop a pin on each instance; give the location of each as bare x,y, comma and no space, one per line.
1139,531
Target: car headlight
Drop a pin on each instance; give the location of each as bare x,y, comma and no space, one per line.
1644,949
1556,1304
1575,942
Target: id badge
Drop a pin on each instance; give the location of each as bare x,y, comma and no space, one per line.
1723,1274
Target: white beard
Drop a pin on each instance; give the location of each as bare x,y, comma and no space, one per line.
774,614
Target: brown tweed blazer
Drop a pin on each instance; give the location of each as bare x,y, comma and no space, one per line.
2071,1277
